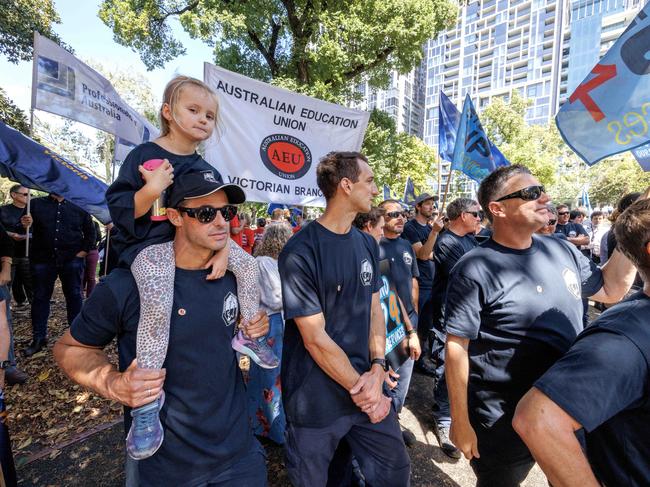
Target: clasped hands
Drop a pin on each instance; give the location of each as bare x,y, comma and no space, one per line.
368,396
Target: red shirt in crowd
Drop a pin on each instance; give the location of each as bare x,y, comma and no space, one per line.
237,238
248,239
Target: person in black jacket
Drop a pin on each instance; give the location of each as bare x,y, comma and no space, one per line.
62,236
10,215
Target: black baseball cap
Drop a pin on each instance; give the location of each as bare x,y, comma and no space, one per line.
424,197
198,184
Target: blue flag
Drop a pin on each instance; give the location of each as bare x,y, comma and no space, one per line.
448,120
386,192
642,156
608,112
409,192
36,167
275,206
584,199
473,152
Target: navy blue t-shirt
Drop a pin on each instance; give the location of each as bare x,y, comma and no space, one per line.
571,230
521,310
403,268
415,232
447,251
603,382
136,234
204,415
333,274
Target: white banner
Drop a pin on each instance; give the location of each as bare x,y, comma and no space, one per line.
270,139
63,85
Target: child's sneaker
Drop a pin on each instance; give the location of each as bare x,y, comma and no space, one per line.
258,350
146,433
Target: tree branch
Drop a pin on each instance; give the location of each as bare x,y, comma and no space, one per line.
269,54
362,68
162,18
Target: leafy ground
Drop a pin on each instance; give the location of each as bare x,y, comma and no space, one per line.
64,436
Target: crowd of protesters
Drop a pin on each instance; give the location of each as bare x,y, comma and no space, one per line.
492,303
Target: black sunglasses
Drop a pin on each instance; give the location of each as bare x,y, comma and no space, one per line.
475,214
396,214
552,222
206,213
529,193
22,194
562,212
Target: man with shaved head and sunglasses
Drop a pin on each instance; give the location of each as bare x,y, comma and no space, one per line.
513,309
208,439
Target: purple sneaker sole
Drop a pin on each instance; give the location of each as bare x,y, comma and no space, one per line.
258,350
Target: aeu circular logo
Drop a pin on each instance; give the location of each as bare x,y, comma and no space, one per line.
285,156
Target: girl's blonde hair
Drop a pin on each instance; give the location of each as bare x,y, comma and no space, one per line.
172,93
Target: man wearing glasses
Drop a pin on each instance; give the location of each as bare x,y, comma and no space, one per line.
10,216
404,272
422,232
208,440
513,309
574,232
21,278
465,216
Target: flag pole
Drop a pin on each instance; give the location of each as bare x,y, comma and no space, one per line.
444,201
439,174
106,249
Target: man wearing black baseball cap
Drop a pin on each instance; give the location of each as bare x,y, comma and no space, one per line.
208,439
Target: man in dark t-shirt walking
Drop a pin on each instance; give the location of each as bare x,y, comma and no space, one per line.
422,232
464,218
600,386
208,440
333,359
513,308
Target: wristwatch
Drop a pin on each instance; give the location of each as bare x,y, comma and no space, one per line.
5,364
412,331
379,361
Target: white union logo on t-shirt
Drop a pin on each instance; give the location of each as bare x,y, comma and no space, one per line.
408,260
230,309
366,272
571,281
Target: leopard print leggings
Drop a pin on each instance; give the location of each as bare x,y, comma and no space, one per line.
153,270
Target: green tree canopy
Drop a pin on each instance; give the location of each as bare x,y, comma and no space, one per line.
396,156
12,115
538,147
322,48
18,21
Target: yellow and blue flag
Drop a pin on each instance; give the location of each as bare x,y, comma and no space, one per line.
409,192
37,167
608,112
473,153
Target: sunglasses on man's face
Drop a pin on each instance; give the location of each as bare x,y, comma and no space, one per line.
529,193
552,222
23,194
475,214
207,213
397,214
562,212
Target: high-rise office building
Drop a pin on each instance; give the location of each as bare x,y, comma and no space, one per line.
403,100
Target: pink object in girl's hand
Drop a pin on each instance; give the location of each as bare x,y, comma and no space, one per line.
158,210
